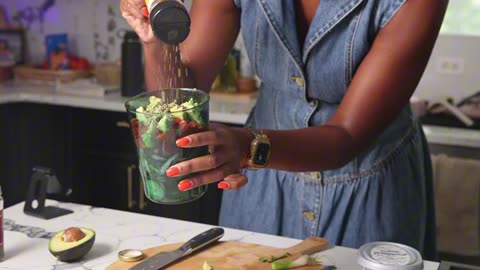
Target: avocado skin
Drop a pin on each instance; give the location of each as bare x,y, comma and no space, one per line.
75,253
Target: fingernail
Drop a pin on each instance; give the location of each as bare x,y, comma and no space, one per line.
223,185
185,185
145,11
173,171
184,141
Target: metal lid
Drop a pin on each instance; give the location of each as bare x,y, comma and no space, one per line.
170,22
389,256
130,255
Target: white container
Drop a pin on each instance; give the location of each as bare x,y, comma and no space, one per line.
389,256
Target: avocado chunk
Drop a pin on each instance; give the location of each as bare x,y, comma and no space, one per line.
71,244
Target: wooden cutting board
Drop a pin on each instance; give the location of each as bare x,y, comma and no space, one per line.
234,255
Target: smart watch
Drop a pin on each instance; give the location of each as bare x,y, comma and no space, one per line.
259,150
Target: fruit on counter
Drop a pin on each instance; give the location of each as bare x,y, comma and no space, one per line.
71,244
78,63
75,63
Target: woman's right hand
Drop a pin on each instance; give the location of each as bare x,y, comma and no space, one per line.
136,14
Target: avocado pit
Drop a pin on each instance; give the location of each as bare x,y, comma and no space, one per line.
73,234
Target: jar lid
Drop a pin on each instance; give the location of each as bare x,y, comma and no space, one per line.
130,255
389,256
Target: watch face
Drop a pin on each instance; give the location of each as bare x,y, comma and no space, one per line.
261,156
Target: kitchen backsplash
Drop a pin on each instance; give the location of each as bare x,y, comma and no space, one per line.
95,27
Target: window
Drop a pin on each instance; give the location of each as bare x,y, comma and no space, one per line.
462,17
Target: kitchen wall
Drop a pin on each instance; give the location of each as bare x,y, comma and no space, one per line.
454,68
95,28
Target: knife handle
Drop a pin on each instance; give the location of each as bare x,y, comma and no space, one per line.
202,240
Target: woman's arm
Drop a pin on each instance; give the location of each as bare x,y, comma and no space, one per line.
381,87
214,29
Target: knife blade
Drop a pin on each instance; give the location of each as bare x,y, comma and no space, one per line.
163,259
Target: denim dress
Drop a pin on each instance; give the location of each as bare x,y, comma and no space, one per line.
383,194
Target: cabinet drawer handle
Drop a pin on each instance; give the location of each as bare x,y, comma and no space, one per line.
142,204
131,202
123,124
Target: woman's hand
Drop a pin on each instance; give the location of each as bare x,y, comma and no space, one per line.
136,14
228,151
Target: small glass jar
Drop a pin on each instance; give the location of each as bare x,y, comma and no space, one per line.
389,256
169,19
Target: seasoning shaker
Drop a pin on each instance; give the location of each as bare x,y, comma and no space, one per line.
389,256
169,19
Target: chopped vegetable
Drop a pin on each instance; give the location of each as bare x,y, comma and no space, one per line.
147,137
165,123
273,258
206,266
302,261
141,116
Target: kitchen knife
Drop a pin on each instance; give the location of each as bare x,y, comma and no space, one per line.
163,259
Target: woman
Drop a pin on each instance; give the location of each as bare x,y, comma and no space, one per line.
347,159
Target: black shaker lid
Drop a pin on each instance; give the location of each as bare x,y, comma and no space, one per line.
170,22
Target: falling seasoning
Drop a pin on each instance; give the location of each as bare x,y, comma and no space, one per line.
173,71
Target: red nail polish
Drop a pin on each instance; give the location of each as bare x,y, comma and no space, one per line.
173,171
223,185
184,141
185,185
144,11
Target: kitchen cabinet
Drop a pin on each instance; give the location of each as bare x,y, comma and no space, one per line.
102,181
34,135
7,155
105,156
106,173
44,134
93,155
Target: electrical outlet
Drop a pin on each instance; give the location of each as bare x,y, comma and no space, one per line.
450,65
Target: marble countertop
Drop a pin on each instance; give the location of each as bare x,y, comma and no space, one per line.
27,247
232,111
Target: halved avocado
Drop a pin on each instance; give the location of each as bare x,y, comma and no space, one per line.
71,244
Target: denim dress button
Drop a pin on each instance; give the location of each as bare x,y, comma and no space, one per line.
309,215
316,175
300,82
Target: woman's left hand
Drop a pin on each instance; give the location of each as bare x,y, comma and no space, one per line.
228,151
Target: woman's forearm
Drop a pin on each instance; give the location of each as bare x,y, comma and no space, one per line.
310,149
164,68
